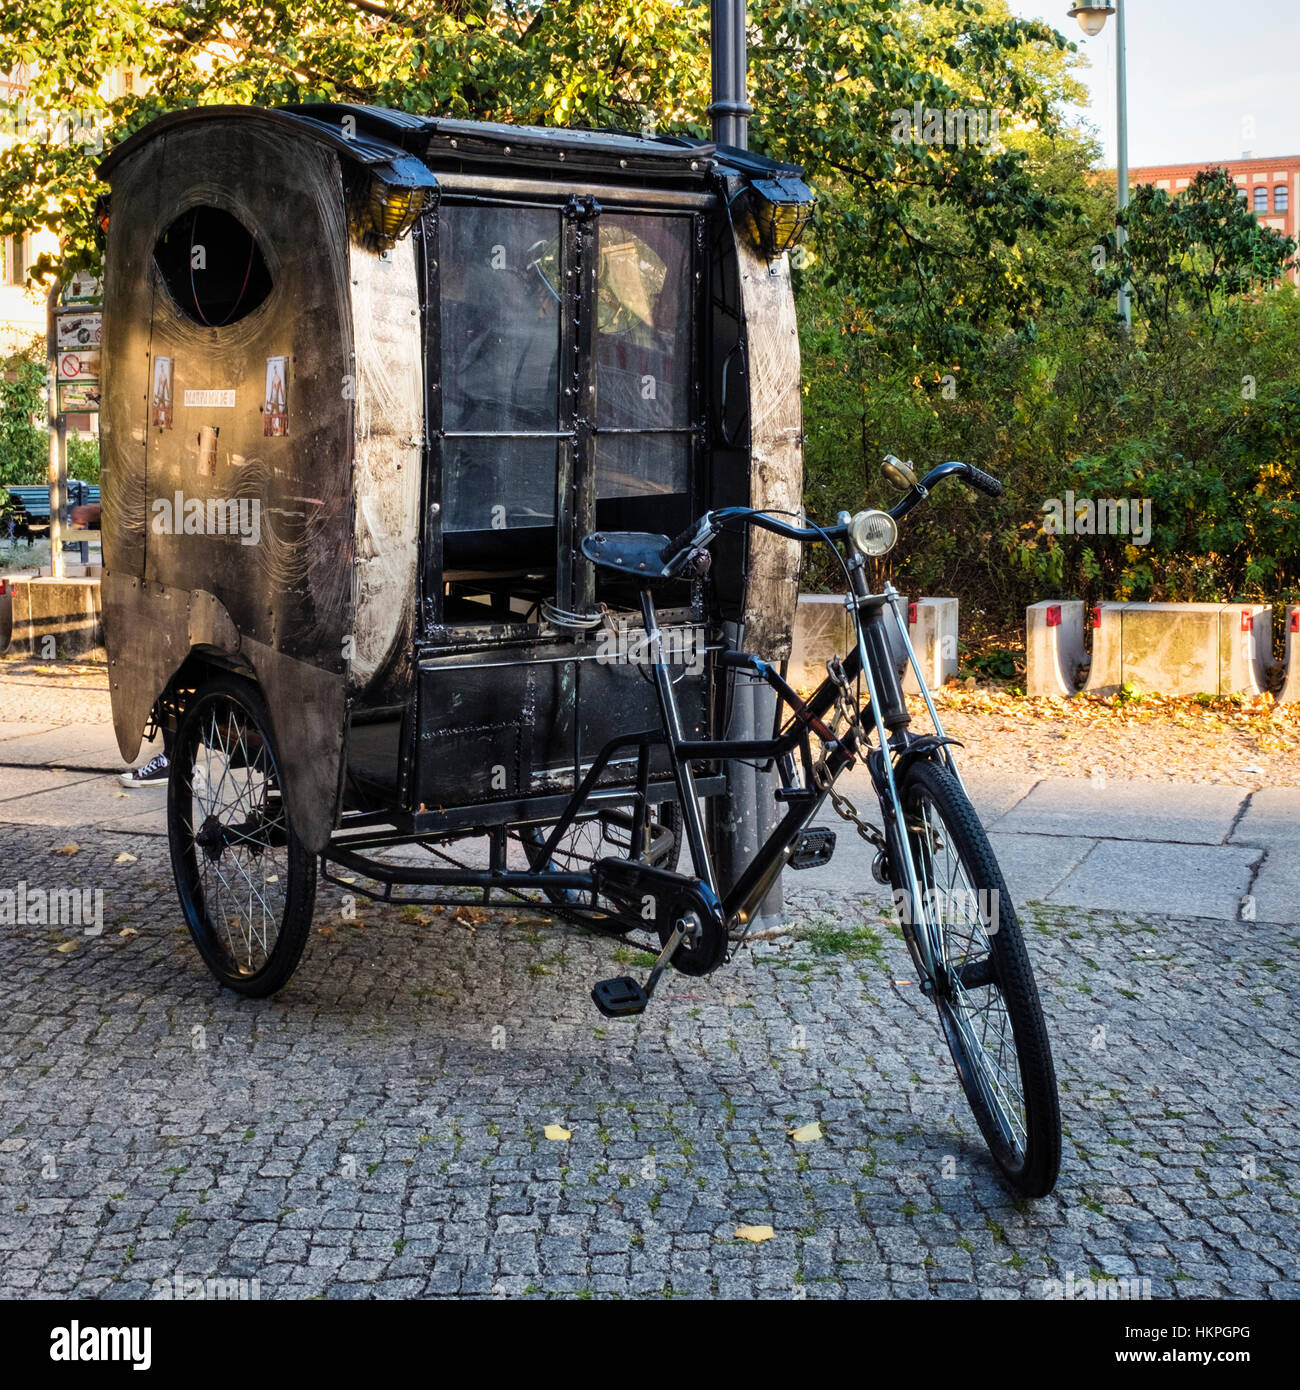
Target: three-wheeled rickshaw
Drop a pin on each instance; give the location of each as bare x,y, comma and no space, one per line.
452,482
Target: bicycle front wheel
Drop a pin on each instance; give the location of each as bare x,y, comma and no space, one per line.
984,988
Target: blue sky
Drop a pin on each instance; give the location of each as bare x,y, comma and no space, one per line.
1207,79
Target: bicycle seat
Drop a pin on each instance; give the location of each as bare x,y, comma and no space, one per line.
633,553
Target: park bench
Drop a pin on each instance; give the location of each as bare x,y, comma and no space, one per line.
29,511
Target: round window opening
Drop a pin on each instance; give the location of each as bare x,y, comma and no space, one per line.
212,266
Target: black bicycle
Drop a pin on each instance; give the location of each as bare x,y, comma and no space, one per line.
607,853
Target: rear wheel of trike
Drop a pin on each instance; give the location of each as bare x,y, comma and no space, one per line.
988,1002
246,884
607,835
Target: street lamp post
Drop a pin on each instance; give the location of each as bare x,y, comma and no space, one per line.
1092,15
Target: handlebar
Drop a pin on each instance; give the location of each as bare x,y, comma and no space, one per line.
705,529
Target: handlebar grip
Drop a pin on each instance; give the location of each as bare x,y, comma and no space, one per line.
982,482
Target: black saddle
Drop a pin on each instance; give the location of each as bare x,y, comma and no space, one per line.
637,554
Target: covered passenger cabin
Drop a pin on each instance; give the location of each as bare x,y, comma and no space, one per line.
369,379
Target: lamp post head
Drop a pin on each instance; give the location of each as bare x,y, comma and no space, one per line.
1091,15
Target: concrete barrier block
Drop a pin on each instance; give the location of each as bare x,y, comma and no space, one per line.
56,618
932,629
1180,648
821,630
1290,692
1106,669
1053,647
1245,648
1172,648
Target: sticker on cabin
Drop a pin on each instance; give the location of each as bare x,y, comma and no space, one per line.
160,399
208,450
210,398
275,410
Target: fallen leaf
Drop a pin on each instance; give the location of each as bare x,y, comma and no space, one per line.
757,1234
558,1132
125,858
128,931
805,1134
65,946
71,848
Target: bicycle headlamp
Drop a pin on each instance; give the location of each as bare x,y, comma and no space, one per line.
873,533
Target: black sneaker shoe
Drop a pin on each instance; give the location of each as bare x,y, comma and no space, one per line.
153,772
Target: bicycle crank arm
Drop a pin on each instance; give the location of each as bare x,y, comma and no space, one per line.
624,997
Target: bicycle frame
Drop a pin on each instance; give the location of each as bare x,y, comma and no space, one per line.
740,901
803,796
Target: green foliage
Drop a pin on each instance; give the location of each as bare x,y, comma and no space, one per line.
1193,252
1197,412
951,297
83,459
24,450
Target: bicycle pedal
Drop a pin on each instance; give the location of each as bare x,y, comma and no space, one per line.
619,998
812,848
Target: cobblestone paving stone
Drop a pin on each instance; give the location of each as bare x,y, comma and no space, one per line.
378,1129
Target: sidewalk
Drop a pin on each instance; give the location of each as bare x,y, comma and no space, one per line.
379,1129
1133,847
1179,850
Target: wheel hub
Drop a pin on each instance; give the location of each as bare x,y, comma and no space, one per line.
211,838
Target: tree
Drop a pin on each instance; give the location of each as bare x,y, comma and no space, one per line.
1193,251
24,450
828,77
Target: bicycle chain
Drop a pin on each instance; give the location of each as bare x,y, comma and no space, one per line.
846,710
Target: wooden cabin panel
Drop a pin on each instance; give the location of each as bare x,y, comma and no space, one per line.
249,414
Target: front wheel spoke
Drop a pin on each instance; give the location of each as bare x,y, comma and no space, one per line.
1005,1091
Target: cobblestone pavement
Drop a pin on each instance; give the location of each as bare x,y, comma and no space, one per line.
380,1128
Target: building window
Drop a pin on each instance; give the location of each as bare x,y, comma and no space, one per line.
1280,199
1261,199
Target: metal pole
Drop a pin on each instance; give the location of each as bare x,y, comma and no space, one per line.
1121,171
58,463
749,812
730,110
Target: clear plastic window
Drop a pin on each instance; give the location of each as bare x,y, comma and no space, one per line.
500,318
498,484
643,349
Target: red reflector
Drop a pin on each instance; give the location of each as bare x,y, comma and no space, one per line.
1096,616
911,614
1054,615
3,589
1247,620
1295,620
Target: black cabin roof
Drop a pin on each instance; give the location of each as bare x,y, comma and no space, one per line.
375,134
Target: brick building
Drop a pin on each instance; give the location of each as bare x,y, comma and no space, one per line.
1270,186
